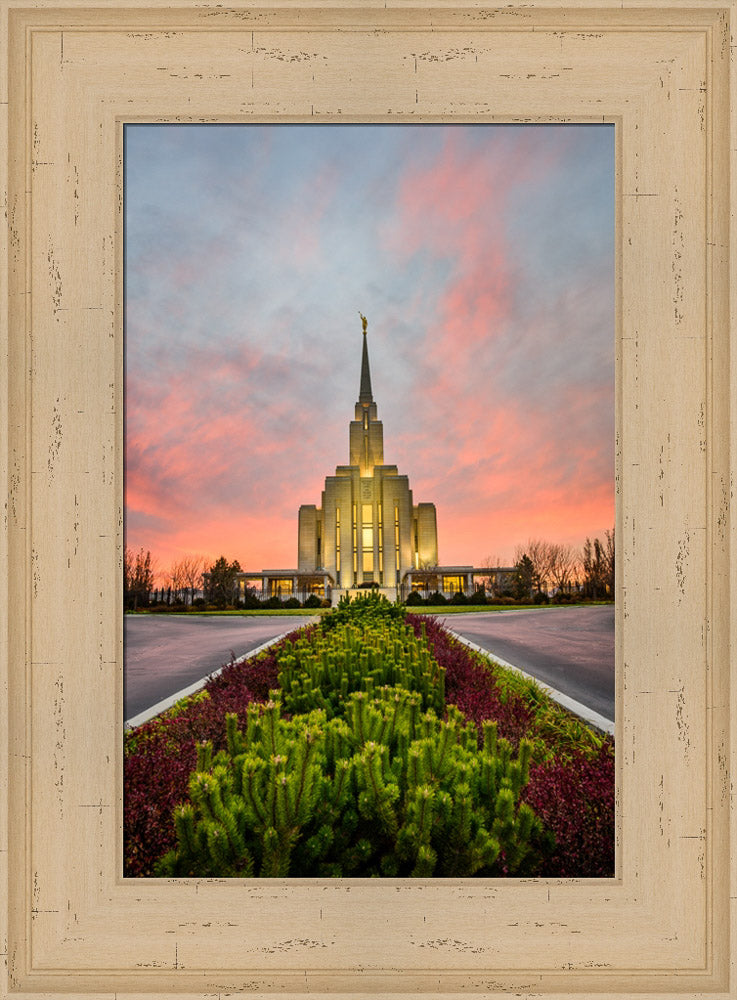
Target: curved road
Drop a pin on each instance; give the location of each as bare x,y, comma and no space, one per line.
570,649
165,653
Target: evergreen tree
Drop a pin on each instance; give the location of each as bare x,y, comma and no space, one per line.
220,582
523,578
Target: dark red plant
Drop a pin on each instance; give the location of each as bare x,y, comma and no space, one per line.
154,780
470,685
156,773
575,800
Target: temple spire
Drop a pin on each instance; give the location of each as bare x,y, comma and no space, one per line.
365,395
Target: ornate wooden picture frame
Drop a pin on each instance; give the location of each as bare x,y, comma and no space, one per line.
661,74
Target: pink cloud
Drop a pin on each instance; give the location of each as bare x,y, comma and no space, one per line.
497,425
510,445
453,210
213,464
508,472
258,541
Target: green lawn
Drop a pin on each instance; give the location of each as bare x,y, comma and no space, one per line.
240,611
459,609
435,609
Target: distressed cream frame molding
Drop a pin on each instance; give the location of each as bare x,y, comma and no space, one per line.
661,74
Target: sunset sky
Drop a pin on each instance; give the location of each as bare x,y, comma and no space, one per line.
483,259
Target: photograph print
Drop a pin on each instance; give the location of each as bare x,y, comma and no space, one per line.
369,576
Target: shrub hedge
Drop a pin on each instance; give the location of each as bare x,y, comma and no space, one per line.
177,796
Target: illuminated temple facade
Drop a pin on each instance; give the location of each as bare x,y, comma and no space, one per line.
367,529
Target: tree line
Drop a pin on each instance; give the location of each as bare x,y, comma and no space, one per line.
188,581
545,569
542,570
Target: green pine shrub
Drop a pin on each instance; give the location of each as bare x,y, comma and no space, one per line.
356,767
320,672
383,789
415,599
369,607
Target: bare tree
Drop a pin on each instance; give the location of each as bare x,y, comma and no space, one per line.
139,569
192,569
538,552
168,588
178,582
494,582
563,564
128,563
598,566
608,559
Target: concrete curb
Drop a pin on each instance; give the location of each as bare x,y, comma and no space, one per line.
149,713
589,716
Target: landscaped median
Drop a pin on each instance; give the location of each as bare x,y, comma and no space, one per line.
370,744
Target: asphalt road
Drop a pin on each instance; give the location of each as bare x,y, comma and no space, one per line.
569,649
164,653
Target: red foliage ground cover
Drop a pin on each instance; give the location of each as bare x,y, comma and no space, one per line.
469,686
574,798
156,775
